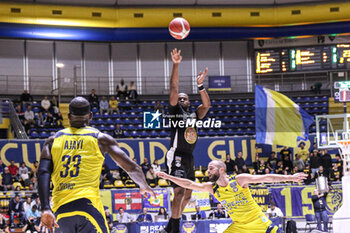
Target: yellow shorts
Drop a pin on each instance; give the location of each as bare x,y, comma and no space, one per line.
259,225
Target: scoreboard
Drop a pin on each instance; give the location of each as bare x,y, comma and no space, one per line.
311,58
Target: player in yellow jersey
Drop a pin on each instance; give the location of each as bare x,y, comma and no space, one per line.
233,193
73,159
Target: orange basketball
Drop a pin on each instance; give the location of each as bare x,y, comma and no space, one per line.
179,28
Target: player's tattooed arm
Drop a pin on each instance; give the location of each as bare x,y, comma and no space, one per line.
174,79
110,146
245,179
186,183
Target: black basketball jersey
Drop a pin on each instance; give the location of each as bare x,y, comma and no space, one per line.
183,129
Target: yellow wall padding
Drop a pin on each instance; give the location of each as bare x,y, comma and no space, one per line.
76,16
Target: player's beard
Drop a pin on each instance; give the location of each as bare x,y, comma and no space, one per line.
214,177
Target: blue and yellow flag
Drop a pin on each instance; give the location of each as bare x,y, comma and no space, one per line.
278,120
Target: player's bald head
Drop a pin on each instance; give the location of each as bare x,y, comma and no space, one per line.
79,106
219,164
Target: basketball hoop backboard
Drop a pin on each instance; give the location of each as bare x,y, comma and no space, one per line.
331,129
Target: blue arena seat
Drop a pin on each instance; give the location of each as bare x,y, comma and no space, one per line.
163,133
44,134
109,121
99,121
135,134
34,134
111,127
144,134
153,134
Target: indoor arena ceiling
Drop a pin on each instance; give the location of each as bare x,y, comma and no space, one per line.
116,3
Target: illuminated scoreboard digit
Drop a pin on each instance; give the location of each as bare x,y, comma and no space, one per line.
343,53
267,61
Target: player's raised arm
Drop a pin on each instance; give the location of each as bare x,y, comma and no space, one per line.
186,183
245,179
110,146
44,176
174,79
204,107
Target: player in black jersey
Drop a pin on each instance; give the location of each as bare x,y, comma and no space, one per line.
179,159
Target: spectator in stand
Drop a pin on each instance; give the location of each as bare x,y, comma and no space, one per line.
106,174
245,169
339,162
29,117
279,167
144,217
319,202
285,152
3,226
54,102
295,170
230,165
162,215
104,105
16,208
109,216
2,166
113,105
58,119
40,120
240,161
45,104
48,120
118,132
274,214
36,201
151,176
310,177
287,164
316,88
121,89
27,204
34,169
145,166
158,107
31,227
336,173
33,213
7,179
261,168
26,97
93,99
24,174
315,162
200,214
156,166
298,162
303,152
132,91
20,113
326,161
13,169
256,164
123,217
218,213
272,161
322,172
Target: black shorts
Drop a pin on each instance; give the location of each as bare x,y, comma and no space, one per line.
180,165
80,216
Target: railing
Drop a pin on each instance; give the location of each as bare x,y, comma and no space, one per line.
15,122
69,85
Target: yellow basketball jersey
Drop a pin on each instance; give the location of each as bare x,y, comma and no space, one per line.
77,164
246,215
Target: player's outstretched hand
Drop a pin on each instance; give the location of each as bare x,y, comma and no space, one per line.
162,175
48,221
146,190
201,76
299,177
176,56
